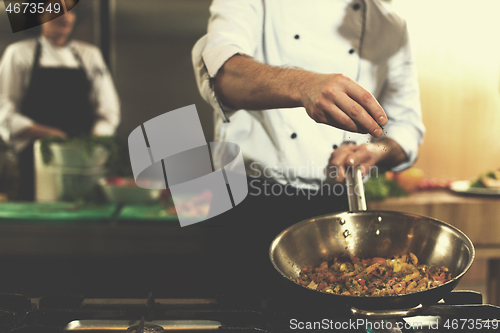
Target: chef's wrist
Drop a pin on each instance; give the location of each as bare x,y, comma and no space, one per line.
299,85
388,153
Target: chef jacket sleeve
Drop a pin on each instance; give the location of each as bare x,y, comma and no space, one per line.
104,95
14,76
234,27
401,102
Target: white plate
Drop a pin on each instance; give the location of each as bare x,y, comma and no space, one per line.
463,187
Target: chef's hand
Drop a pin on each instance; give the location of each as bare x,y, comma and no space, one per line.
37,131
385,153
333,99
336,100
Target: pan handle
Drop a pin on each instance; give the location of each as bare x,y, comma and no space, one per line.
355,190
381,314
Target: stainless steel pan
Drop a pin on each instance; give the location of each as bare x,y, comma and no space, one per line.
369,234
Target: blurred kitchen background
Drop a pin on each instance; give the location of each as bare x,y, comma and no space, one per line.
148,46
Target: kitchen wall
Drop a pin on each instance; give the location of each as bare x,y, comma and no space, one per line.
153,59
457,52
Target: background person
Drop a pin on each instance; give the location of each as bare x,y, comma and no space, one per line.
52,86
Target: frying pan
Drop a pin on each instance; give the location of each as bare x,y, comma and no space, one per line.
368,234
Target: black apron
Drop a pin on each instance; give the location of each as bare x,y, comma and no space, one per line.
58,97
238,240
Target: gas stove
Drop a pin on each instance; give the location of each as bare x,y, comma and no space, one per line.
460,311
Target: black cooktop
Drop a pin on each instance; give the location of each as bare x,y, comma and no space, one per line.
460,311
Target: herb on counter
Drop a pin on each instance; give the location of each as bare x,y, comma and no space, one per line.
489,179
380,188
477,183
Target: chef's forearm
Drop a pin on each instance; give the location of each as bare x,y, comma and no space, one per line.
243,83
332,99
36,131
31,132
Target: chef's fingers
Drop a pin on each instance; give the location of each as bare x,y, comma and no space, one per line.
360,114
339,101
361,158
337,163
317,115
336,117
368,102
326,112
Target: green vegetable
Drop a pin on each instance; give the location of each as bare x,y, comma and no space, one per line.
376,189
379,188
477,183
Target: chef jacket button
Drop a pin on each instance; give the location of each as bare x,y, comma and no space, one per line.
356,6
293,136
351,51
335,146
296,37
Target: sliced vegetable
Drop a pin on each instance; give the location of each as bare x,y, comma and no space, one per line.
373,277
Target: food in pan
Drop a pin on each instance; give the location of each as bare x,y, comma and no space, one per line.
487,180
373,277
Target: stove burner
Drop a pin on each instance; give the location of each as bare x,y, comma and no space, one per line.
146,328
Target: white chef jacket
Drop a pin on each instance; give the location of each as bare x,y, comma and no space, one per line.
361,39
15,75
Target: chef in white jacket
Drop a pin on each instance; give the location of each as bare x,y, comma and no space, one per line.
303,87
288,81
52,86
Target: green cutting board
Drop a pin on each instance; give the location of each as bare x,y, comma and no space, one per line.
144,212
55,212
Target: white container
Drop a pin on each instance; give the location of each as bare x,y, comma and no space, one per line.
72,173
72,184
75,156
